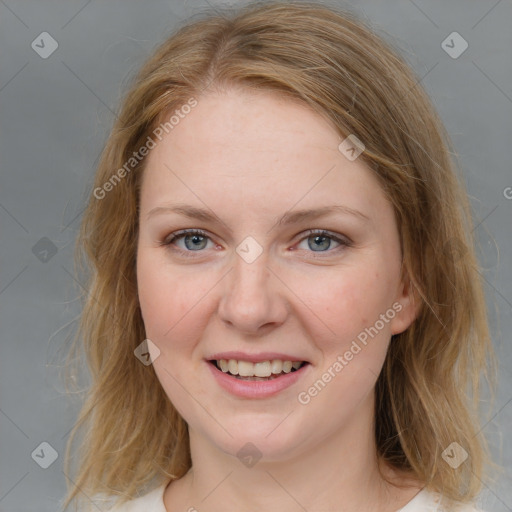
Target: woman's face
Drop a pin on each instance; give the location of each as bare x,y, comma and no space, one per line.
255,285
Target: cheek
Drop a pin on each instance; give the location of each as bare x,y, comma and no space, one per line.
170,303
351,304
172,308
350,301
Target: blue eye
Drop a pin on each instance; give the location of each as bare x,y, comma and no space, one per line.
322,239
196,240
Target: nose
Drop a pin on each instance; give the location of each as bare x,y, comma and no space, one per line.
253,298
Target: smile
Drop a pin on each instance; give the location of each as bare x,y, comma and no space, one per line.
261,370
256,380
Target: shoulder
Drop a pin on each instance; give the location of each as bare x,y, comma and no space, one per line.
431,501
461,507
152,500
445,505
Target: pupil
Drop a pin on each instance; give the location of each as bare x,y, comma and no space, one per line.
316,238
195,238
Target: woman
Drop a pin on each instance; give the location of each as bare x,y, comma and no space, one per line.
284,309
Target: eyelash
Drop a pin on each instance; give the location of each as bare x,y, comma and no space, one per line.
343,241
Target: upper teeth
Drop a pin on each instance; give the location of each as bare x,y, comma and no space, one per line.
262,369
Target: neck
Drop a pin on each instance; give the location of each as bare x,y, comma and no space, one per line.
340,473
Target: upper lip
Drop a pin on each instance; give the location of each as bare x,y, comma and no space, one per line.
254,358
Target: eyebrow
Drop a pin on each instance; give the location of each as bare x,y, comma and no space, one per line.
290,217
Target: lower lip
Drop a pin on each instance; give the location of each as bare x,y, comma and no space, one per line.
256,388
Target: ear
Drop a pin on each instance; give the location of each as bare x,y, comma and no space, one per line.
407,306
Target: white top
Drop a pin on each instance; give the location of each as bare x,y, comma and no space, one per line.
424,501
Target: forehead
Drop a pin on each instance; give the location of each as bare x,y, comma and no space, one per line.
254,149
243,122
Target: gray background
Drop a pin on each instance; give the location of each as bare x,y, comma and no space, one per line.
56,114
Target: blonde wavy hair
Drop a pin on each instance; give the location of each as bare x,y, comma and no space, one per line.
427,395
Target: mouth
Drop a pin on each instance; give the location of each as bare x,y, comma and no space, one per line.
260,371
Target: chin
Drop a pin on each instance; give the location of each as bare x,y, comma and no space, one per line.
260,440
